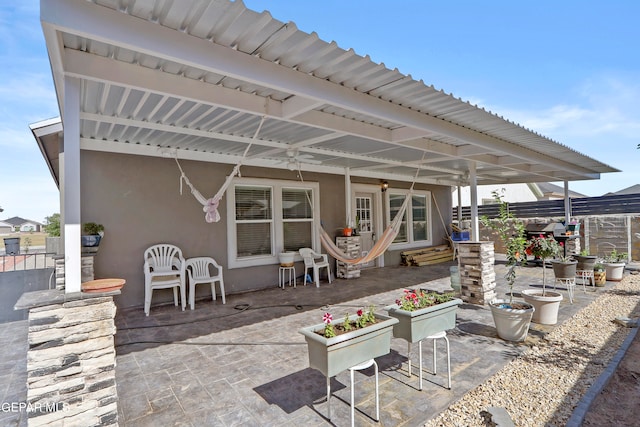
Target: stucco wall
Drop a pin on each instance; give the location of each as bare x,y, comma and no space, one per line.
138,201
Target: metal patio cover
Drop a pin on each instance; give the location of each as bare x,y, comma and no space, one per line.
195,77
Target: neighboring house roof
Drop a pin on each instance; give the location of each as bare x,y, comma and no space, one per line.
553,191
634,189
5,224
158,82
17,221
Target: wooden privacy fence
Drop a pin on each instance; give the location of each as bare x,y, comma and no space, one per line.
584,206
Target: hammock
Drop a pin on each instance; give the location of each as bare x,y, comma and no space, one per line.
381,245
378,248
210,206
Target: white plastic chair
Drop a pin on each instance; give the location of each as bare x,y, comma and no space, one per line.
314,261
164,267
199,273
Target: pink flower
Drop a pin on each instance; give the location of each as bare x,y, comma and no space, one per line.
359,312
327,318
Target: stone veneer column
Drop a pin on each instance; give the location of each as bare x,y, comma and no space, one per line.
71,363
86,265
477,275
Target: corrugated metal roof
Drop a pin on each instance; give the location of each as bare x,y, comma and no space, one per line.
197,75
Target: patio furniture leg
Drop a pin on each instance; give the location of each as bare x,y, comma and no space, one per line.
328,398
420,363
409,358
361,366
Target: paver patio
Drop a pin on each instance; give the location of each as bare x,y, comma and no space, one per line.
244,363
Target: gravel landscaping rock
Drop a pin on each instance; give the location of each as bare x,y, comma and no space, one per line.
544,385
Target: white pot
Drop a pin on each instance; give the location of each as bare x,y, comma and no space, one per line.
546,307
286,258
511,324
615,271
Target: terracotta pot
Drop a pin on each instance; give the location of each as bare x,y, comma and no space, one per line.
347,231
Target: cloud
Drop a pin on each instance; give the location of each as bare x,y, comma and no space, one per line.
604,108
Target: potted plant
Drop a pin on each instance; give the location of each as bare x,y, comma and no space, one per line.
422,313
511,318
614,265
564,267
546,303
585,261
573,227
92,233
599,274
286,258
335,347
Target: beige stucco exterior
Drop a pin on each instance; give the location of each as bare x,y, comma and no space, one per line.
138,200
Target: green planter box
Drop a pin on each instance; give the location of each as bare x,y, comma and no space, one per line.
334,355
415,326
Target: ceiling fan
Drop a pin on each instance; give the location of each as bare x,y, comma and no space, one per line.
294,158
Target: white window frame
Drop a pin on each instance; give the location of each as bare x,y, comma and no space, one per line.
277,241
410,243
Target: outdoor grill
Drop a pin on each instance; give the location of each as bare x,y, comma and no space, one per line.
554,229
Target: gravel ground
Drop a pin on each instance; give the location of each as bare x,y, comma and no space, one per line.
544,385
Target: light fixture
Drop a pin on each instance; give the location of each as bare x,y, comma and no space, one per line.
292,165
384,185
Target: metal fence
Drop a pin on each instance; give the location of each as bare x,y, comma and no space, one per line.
22,262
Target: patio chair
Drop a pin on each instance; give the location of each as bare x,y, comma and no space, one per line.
199,272
164,268
314,261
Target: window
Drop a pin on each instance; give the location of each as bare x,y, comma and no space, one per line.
254,220
415,228
269,217
297,218
363,214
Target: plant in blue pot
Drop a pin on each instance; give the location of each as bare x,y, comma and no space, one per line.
92,233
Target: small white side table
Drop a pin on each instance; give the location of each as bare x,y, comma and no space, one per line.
282,272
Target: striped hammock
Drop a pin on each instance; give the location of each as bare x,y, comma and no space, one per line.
378,248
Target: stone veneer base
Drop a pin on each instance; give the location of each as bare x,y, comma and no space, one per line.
71,358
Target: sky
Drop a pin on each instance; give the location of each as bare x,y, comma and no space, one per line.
568,70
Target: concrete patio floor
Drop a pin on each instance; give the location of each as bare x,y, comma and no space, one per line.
244,363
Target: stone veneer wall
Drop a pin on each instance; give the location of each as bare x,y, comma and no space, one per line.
477,275
71,363
86,269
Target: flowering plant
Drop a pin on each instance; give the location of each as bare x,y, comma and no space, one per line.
543,247
363,319
412,300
